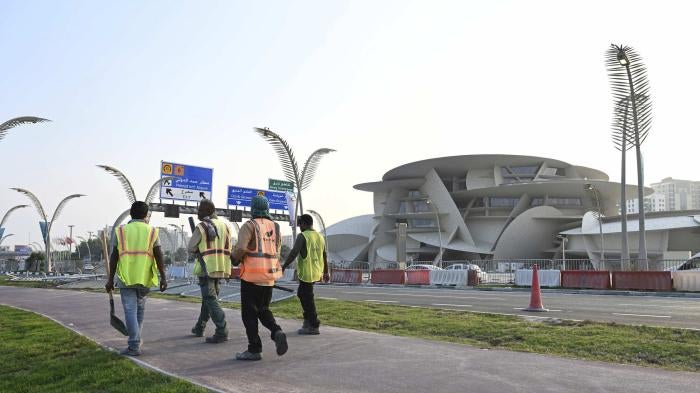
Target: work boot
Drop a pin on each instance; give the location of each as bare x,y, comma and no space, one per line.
216,339
130,352
197,332
248,356
280,342
307,329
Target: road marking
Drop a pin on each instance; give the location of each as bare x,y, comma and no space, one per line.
416,295
452,305
381,301
521,309
327,298
665,306
642,315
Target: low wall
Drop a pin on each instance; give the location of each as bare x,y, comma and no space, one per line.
651,281
548,278
591,279
686,281
448,277
389,276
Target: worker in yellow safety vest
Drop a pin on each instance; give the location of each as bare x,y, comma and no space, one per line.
136,260
310,247
257,251
211,242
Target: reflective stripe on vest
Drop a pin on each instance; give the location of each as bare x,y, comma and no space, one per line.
137,265
262,264
216,252
310,269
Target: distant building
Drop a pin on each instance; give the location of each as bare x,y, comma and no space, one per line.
679,194
655,202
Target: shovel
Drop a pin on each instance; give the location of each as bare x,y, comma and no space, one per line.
114,320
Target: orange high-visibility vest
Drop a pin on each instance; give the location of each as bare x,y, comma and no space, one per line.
262,264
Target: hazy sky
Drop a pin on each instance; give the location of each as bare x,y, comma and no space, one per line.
132,83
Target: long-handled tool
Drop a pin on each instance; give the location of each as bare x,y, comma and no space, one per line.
204,265
114,321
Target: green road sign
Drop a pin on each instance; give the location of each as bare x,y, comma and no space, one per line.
280,185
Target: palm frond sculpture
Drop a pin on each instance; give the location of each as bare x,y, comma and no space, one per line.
17,121
42,215
35,201
309,171
126,184
630,88
7,214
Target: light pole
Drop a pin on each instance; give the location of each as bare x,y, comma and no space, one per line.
437,218
70,241
563,239
46,223
590,187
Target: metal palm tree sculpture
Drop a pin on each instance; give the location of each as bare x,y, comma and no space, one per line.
2,239
43,216
322,224
130,193
6,216
17,121
301,180
630,87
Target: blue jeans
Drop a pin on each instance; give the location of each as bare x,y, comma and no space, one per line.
134,302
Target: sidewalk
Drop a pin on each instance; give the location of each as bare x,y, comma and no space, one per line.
339,360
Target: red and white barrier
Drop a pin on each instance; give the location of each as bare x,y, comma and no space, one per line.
417,277
388,276
448,277
548,278
591,279
686,281
351,276
652,281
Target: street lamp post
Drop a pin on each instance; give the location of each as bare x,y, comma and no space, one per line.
437,219
590,187
563,239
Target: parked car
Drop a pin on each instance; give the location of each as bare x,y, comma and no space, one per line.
691,264
469,266
423,267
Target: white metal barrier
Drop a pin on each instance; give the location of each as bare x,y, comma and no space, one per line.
548,278
686,281
449,277
288,275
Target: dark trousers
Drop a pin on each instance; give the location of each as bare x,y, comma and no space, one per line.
211,307
305,293
255,305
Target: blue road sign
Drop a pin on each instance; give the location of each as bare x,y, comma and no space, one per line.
190,183
241,196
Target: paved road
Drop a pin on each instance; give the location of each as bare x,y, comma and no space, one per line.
646,310
340,360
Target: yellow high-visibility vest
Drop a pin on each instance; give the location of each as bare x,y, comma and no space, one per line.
216,253
310,269
137,265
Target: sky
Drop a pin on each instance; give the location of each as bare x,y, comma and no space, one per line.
131,83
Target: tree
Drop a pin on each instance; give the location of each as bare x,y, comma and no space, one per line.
35,262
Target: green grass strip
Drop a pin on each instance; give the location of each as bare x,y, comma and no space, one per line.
39,355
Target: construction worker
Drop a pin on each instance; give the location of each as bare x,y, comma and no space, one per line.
136,260
257,251
211,242
312,266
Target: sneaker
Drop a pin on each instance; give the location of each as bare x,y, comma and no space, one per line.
281,342
130,352
248,356
216,339
197,332
309,331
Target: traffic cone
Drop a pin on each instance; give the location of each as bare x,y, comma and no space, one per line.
535,294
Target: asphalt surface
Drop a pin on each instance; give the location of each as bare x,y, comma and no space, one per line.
339,360
638,310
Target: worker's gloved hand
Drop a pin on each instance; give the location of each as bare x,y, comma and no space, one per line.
326,277
109,286
163,284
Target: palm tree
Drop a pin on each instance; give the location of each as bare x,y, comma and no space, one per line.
301,180
628,79
43,216
12,123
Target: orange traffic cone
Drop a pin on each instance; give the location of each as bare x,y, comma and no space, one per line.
535,294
